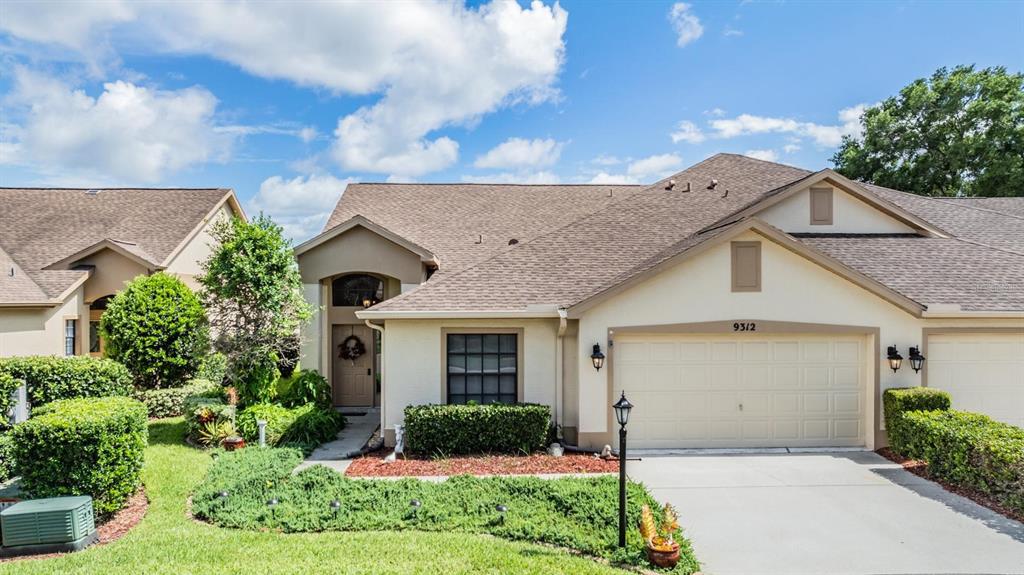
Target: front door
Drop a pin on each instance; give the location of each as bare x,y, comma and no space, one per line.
352,371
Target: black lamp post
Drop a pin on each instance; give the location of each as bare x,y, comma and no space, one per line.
622,407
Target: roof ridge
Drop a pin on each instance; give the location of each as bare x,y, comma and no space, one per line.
120,189
970,207
406,184
745,157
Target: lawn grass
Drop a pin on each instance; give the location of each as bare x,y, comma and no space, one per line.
169,542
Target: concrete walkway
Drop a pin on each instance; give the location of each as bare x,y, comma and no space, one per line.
827,513
338,454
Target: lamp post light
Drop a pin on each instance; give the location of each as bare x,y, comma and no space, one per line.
622,408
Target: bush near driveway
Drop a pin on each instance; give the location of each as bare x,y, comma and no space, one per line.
969,449
900,400
156,326
465,429
304,427
51,378
171,402
577,513
88,446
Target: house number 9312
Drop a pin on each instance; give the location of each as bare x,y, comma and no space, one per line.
744,326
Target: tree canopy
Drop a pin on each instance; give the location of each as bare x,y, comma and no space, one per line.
960,132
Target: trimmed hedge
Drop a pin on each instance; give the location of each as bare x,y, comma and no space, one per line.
8,383
50,378
171,402
89,446
900,400
305,426
466,429
969,449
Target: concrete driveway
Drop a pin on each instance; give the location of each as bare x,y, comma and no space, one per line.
827,513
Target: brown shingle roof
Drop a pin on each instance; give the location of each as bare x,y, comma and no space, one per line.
42,226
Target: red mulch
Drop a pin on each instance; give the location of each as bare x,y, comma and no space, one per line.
920,468
113,529
373,465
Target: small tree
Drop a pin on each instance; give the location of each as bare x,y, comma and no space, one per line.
157,328
253,292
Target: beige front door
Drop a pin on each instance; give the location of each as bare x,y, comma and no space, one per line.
352,378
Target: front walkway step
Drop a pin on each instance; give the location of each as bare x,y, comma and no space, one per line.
338,454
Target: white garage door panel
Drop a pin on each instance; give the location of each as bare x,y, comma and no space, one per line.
758,391
983,372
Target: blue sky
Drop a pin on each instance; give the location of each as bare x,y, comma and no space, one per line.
287,103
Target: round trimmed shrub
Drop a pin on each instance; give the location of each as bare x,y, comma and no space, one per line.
51,378
157,328
89,446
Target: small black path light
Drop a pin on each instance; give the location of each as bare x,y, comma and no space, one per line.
501,509
415,504
272,504
622,408
335,507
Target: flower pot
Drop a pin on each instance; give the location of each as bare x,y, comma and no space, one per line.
232,443
666,558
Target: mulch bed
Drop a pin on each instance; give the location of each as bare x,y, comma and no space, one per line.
373,465
920,468
112,530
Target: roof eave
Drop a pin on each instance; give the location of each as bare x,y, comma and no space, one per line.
458,314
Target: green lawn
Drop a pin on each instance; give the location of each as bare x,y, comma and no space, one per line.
167,541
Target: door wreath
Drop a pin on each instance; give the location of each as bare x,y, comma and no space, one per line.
351,348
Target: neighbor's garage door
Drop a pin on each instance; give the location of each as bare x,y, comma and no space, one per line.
749,391
983,372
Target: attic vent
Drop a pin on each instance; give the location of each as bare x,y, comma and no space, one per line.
513,242
92,192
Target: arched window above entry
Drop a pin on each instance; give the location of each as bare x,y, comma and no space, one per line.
101,303
352,289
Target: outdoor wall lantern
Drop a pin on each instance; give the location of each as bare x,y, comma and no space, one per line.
367,302
916,359
597,357
895,359
622,408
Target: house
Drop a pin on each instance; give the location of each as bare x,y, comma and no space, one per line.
738,303
65,252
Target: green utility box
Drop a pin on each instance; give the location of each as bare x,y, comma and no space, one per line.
47,526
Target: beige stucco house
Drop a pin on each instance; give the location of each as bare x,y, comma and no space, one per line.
65,252
738,303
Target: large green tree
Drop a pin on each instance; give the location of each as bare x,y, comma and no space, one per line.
960,132
253,295
157,328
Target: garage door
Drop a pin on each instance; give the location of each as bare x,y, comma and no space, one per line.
749,391
983,372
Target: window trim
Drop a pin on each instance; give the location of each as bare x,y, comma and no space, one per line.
520,358
735,266
826,196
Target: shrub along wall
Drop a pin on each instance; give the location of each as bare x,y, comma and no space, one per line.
89,446
463,429
171,402
52,378
900,400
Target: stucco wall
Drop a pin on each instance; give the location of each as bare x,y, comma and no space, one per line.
849,215
413,362
360,250
698,290
40,331
185,264
112,271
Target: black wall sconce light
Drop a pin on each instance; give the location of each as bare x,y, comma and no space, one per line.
894,357
916,359
597,357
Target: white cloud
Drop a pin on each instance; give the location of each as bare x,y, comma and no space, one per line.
791,147
300,205
685,23
716,112
435,63
128,133
606,160
688,132
535,178
729,31
766,155
822,135
519,153
642,171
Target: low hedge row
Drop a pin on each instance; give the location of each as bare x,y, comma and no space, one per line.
576,513
969,449
170,402
52,378
900,400
87,446
305,426
465,429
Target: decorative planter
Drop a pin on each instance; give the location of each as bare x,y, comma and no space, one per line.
664,558
232,443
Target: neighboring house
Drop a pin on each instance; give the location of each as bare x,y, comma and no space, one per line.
738,303
65,252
